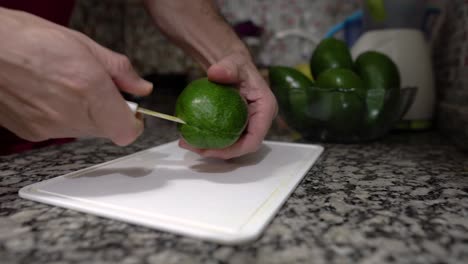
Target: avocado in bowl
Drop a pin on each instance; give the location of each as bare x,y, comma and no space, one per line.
338,107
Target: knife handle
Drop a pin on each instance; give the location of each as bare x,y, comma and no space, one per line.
133,106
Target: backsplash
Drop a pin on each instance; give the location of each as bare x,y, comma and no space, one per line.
451,68
124,26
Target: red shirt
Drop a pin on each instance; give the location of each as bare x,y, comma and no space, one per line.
57,11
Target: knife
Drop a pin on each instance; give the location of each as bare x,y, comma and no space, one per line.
136,109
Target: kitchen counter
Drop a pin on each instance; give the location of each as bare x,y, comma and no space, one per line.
400,200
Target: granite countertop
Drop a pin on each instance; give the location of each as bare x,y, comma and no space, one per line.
400,200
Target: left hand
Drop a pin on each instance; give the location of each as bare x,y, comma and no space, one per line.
238,69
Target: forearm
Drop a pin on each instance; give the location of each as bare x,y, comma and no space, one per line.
197,27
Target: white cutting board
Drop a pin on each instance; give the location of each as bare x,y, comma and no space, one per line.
171,189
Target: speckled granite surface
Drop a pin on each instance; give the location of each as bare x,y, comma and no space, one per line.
402,200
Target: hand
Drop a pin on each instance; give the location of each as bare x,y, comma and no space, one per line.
55,82
239,70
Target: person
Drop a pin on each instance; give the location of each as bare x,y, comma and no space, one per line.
58,83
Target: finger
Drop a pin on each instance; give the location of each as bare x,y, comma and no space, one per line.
260,118
246,144
112,116
222,73
226,153
125,76
226,71
119,68
183,144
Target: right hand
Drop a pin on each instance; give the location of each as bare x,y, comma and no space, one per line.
56,82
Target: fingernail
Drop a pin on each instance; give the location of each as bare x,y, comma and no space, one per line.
147,85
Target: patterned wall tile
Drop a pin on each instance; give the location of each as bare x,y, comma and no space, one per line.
124,26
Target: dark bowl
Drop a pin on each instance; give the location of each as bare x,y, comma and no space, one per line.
345,116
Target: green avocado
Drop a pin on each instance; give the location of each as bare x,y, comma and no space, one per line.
329,54
377,71
382,81
215,114
340,110
292,91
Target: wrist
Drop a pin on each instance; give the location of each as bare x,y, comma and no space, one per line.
212,53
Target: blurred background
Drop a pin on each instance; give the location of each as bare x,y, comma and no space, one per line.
124,26
281,32
285,32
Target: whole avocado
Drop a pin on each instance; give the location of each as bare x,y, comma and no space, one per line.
377,70
329,54
215,114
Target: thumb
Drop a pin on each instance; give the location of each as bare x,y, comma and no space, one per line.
119,68
225,71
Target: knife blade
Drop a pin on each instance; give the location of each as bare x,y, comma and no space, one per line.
135,108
